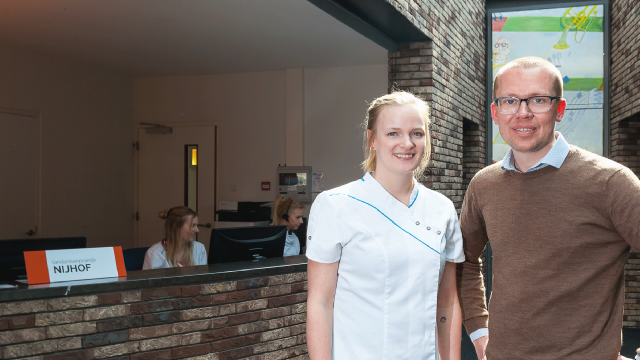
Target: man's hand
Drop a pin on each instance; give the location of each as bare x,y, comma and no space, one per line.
481,345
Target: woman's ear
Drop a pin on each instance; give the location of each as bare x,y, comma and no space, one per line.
370,139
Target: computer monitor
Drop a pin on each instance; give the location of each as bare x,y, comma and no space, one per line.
12,265
247,243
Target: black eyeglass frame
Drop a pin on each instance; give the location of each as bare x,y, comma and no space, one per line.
527,101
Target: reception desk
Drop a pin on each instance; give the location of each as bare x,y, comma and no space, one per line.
252,310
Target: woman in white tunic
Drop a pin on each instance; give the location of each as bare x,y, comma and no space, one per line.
288,212
179,247
382,251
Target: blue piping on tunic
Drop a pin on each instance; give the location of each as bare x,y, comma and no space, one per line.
383,214
414,199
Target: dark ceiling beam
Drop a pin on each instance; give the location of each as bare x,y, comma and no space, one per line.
376,20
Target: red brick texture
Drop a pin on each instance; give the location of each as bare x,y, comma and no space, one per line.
625,56
448,72
625,122
260,318
632,291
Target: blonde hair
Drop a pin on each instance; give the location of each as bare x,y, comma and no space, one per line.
371,121
175,218
532,62
280,206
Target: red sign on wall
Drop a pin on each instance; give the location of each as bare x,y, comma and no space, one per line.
266,185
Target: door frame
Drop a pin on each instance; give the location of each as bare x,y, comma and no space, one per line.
38,117
136,163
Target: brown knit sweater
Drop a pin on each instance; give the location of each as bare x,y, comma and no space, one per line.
560,239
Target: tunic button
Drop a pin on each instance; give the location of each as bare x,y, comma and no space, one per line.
309,237
428,228
438,232
417,222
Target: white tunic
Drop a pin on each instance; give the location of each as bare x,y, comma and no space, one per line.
156,256
391,262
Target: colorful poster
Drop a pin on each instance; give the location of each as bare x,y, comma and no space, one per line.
573,40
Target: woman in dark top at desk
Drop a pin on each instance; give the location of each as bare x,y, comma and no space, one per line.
288,212
178,247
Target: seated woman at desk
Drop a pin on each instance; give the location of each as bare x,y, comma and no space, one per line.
178,247
288,212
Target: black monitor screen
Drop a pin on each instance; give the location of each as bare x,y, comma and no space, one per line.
299,179
12,265
247,243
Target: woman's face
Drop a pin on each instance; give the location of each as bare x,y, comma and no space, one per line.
189,229
295,219
400,139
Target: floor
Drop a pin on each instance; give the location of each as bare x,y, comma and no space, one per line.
630,341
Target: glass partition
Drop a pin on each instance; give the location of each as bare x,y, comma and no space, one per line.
572,38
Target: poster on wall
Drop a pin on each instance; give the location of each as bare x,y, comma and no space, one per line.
572,39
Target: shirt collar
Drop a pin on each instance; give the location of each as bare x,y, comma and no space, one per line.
555,157
371,180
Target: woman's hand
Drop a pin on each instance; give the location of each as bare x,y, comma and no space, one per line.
321,282
449,318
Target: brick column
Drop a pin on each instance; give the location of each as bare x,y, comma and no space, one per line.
411,69
416,68
625,149
625,123
473,144
447,71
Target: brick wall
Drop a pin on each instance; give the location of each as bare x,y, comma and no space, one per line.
625,149
448,72
625,122
473,145
631,316
259,318
625,59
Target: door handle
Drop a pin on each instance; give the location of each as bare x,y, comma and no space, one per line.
32,232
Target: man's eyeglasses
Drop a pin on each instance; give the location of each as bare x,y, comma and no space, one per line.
537,104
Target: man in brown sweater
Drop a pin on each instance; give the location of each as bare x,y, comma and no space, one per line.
561,221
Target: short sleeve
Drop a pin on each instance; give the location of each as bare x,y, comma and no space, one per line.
454,251
153,259
200,253
325,233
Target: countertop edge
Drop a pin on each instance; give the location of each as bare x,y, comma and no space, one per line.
138,280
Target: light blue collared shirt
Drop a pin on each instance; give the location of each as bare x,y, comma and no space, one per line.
555,157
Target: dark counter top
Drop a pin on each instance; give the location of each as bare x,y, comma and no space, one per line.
158,278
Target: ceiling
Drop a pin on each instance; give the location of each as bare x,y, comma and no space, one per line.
188,37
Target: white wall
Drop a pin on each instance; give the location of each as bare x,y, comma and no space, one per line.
87,153
88,117
336,100
249,109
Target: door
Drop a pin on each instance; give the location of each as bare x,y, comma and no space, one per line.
19,175
164,169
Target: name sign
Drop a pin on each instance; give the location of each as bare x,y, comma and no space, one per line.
49,266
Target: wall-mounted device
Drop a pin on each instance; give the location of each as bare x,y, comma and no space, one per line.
295,182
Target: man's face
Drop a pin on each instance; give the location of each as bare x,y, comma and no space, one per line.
525,131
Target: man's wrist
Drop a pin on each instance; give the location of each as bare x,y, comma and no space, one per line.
479,333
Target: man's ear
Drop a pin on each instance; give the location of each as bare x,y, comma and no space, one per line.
494,112
561,107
